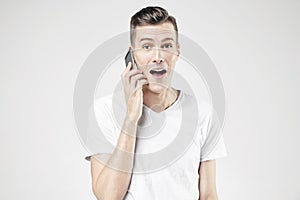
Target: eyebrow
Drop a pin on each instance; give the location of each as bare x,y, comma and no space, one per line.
165,39
146,39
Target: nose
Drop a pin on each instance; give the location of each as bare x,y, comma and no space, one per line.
157,57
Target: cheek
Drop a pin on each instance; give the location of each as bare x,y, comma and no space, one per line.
142,59
172,60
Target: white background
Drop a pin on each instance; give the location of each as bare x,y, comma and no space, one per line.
254,44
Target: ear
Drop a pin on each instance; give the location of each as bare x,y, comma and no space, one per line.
131,48
178,51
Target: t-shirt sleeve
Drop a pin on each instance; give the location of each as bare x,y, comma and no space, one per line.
101,136
212,140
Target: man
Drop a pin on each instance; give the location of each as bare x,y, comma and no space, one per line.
147,89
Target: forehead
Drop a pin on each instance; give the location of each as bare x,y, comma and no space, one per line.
155,32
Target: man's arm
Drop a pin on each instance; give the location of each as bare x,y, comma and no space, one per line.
111,173
207,180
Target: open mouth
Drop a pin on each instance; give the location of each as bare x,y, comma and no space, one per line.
158,73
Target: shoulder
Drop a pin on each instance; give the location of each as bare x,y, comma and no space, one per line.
109,101
200,106
111,108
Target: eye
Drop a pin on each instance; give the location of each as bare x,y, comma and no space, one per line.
146,46
167,46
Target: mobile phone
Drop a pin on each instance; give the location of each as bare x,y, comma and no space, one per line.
129,58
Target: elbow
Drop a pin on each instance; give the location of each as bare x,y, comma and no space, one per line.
209,196
105,196
104,193
98,193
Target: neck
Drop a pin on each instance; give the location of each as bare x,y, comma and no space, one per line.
159,101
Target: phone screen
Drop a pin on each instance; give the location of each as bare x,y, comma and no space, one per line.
129,58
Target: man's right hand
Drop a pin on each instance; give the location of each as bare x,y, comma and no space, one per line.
133,81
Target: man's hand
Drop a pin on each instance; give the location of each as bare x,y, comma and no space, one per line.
133,81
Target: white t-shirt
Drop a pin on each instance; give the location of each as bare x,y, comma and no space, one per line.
169,147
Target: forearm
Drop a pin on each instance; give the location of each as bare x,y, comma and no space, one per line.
207,180
114,178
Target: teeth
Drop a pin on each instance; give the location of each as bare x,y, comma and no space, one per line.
158,70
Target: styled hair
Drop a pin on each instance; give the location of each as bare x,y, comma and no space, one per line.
153,15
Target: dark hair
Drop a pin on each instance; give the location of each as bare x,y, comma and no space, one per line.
151,15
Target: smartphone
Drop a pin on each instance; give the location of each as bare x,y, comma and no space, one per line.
129,58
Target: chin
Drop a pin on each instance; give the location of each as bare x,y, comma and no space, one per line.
156,87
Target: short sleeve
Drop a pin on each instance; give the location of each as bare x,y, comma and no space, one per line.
212,140
101,136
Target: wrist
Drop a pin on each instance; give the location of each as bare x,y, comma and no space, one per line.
129,126
131,118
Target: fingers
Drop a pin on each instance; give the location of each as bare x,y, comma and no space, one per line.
130,77
133,75
135,80
126,71
140,83
129,71
128,67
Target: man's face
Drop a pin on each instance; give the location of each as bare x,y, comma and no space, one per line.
156,52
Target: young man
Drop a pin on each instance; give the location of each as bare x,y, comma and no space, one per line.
148,91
